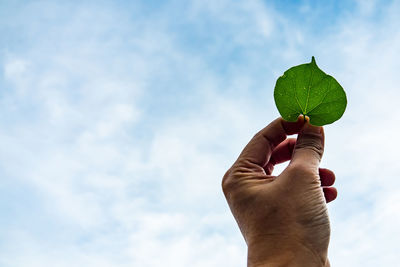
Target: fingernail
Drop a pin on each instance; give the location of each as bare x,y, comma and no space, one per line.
308,128
300,118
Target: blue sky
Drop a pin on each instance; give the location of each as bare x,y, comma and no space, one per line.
118,120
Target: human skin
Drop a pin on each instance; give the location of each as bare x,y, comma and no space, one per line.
284,218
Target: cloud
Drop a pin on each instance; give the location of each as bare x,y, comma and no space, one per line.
120,120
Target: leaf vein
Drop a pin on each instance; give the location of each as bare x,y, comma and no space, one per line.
309,89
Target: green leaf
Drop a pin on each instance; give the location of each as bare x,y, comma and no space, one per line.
305,89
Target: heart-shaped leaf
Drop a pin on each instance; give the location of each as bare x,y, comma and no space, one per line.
305,89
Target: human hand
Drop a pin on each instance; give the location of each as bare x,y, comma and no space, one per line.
283,218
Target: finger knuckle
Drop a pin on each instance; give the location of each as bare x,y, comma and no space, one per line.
310,143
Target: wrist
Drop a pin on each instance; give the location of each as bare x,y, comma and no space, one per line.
279,254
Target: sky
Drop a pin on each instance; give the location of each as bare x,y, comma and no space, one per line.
118,120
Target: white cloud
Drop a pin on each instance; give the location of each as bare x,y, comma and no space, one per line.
123,184
14,68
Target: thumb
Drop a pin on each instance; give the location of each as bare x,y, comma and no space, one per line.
309,147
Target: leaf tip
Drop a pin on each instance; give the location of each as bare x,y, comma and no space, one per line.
313,60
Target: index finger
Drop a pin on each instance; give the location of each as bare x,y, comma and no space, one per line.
258,151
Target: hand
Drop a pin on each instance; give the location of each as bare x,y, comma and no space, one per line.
283,218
